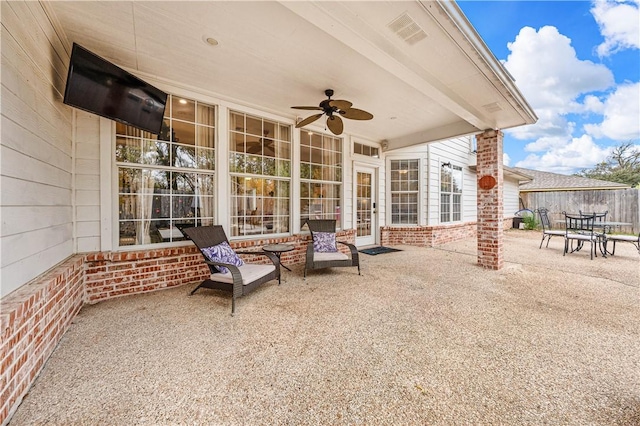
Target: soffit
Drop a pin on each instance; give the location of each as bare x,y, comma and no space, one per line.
273,55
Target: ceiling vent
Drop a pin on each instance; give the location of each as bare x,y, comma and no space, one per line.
407,29
492,107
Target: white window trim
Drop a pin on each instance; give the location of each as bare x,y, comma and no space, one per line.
440,163
422,197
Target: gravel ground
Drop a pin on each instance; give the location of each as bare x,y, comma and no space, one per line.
425,336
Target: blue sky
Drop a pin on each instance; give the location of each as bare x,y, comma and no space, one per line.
578,65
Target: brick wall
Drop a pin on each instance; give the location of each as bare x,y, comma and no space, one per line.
34,317
427,236
33,320
114,274
490,200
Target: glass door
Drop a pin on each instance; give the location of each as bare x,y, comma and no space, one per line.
365,207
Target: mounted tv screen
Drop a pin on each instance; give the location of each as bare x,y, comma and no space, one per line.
100,87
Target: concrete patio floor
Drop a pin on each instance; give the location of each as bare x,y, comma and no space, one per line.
425,336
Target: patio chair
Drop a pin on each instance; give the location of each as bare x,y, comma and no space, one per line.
322,251
547,232
599,219
579,228
228,272
635,240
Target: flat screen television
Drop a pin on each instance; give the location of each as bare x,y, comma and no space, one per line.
100,87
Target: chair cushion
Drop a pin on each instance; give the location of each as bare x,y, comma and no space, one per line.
324,242
249,271
319,256
629,238
583,237
222,253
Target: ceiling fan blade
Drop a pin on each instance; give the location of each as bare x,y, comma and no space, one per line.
308,120
340,104
335,124
254,147
356,114
307,107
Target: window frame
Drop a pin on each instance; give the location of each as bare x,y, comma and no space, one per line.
415,192
450,214
252,226
201,171
325,184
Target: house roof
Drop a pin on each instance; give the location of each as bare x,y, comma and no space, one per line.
509,172
517,174
418,66
547,181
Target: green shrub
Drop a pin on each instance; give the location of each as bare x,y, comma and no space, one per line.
529,221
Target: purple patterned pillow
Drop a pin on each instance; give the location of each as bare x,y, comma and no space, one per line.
324,242
222,253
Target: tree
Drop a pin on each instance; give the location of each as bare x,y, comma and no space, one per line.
622,166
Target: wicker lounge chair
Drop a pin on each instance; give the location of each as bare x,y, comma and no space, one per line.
547,232
326,253
238,278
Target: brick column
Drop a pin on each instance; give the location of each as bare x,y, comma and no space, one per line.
490,201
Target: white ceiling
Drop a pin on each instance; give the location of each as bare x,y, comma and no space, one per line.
273,55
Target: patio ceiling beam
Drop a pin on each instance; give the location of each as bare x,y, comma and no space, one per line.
459,128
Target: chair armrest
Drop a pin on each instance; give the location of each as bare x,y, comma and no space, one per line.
271,256
352,248
235,274
309,256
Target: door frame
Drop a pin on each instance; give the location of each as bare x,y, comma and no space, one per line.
375,198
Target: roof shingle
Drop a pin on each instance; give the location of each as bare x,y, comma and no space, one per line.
547,181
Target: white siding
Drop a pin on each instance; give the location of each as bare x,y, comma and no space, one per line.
511,194
455,151
35,148
431,157
87,182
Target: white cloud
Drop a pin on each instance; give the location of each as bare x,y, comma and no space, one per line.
621,115
619,23
506,159
580,153
552,78
593,104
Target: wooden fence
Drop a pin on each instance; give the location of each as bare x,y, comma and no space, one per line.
623,205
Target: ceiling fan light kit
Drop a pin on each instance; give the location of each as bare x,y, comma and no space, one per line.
335,110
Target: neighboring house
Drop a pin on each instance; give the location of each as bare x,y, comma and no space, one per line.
90,208
547,181
562,193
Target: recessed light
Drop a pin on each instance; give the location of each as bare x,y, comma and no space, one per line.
183,101
210,41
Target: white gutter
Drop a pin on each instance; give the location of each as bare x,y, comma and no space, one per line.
462,24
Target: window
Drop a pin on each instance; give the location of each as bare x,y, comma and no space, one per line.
404,192
260,168
166,180
450,193
369,151
320,176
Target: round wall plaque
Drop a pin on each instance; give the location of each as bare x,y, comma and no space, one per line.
487,182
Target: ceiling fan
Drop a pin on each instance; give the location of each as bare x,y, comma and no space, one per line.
334,109
262,146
